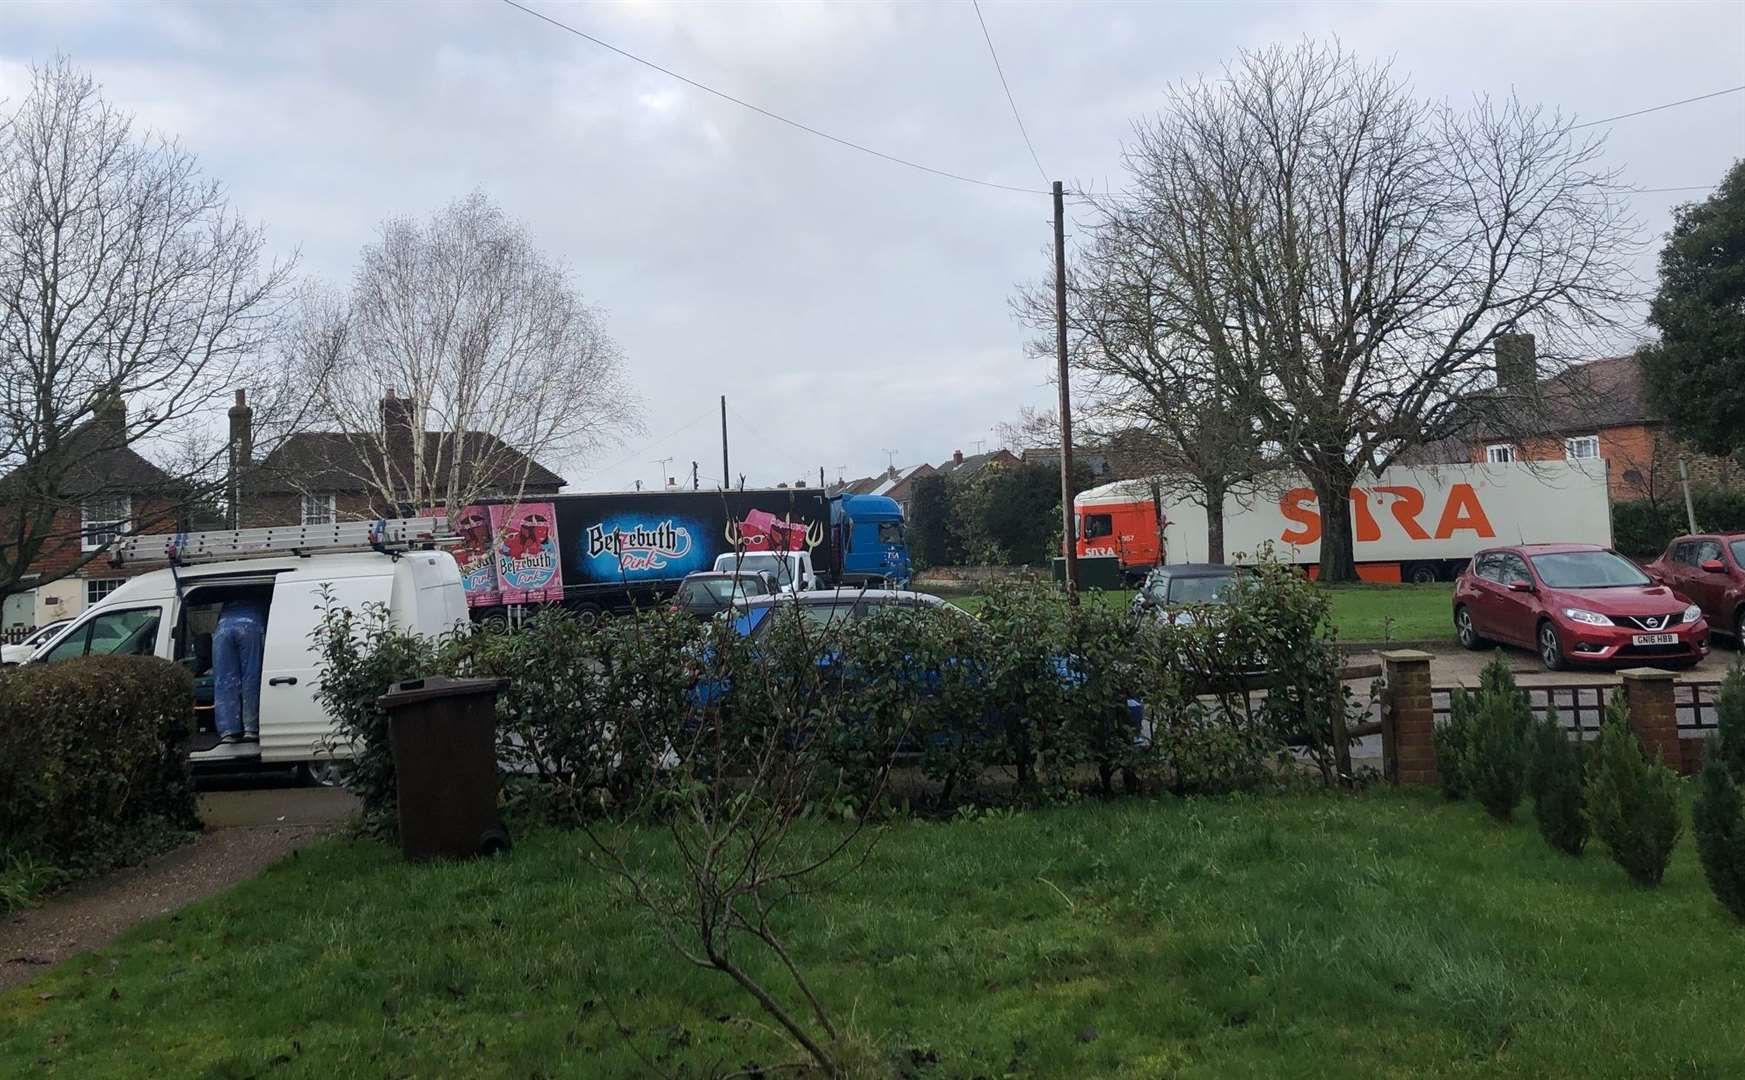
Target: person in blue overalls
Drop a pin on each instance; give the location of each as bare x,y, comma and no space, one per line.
236,670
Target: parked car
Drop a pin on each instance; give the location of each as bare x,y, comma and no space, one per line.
791,571
1575,603
834,607
19,653
709,592
1182,593
1710,570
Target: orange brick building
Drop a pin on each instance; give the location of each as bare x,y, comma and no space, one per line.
1598,409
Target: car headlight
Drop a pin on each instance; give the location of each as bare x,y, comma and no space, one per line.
1692,613
1591,618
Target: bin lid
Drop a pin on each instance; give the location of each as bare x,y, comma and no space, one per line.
436,686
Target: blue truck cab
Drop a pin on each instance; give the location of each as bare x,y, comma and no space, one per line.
871,546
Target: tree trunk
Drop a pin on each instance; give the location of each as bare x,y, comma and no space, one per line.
1214,493
1338,557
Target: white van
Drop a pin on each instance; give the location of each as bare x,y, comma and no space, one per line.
171,613
790,571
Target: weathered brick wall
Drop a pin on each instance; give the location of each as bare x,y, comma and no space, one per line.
1641,459
1409,719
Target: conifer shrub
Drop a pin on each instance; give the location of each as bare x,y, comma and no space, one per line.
1632,801
1494,757
1556,781
1718,819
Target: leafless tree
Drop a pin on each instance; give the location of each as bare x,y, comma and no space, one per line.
1342,256
485,342
133,298
735,784
1176,412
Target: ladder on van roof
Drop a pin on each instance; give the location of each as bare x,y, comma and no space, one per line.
389,535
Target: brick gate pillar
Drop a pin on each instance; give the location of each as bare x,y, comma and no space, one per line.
1652,716
1408,724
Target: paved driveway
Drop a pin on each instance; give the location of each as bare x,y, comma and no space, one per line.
1456,666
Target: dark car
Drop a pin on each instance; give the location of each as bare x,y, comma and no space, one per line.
707,593
1181,592
1575,603
1710,571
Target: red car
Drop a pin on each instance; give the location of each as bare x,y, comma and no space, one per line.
1710,570
1575,603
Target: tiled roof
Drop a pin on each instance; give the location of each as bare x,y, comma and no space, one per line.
336,461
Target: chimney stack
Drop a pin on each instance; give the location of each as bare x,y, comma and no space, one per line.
1517,364
397,436
109,417
241,455
957,457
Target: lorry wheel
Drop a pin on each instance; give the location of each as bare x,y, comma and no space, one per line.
1422,573
588,616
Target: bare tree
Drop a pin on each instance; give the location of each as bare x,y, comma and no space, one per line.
1345,255
133,299
1175,410
496,361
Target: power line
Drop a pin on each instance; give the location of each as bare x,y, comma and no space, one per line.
742,103
1654,108
681,429
1008,89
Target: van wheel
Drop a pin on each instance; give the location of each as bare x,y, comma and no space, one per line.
1551,648
1464,631
1422,574
326,772
588,616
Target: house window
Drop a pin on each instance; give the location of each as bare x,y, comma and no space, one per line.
1582,448
102,519
97,588
1499,453
318,509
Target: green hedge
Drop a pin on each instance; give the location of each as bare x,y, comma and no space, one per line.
91,750
1026,701
1642,529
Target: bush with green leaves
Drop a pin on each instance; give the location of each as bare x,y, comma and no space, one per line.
1730,721
1449,741
361,655
93,759
1495,754
1718,819
1632,802
1556,781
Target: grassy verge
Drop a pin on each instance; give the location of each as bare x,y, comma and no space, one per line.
26,877
1393,612
1363,612
1388,935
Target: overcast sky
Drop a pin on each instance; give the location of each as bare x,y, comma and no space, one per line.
847,307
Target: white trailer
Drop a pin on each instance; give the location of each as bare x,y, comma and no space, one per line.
1412,524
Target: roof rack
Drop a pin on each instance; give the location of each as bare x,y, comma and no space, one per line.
389,535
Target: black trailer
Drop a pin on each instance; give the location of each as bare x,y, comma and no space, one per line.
614,551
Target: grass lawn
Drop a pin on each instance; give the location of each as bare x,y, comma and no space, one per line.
1385,935
1419,612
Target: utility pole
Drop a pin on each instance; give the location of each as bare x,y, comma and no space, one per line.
726,475
696,484
1690,512
820,477
1067,539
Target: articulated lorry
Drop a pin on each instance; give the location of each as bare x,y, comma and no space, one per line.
608,552
1417,524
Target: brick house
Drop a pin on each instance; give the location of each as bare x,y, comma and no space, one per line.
1598,409
117,491
317,477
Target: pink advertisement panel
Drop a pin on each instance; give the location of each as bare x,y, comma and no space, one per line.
477,559
527,564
